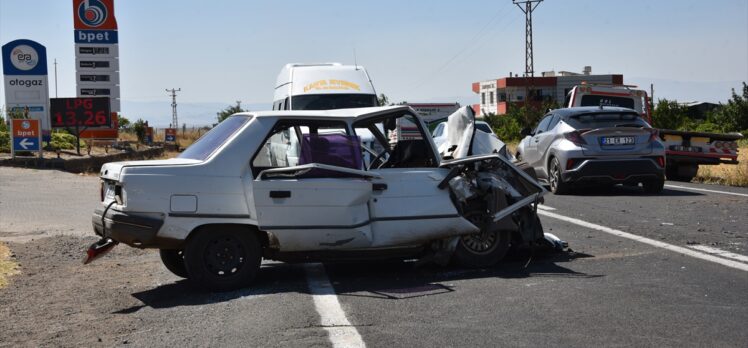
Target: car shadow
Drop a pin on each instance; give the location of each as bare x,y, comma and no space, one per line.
620,190
394,280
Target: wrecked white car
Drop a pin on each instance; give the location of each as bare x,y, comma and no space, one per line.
301,186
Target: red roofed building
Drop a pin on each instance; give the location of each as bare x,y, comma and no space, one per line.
496,95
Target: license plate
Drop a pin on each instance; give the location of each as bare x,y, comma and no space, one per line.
685,148
617,140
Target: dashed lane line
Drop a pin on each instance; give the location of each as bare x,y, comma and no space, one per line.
545,207
652,242
339,330
707,190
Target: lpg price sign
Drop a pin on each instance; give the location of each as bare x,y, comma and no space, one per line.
80,112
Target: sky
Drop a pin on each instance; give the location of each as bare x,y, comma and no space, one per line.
223,51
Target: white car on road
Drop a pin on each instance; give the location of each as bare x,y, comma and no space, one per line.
294,186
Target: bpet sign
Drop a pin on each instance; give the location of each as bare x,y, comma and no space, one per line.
26,89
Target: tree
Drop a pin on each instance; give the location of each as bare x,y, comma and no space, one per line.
230,110
139,128
383,100
733,116
668,114
123,122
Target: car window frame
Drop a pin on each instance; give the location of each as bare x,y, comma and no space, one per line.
537,129
295,124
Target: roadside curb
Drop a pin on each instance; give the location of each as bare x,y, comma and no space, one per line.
80,165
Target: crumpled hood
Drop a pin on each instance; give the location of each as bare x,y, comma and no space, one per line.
112,170
460,129
468,140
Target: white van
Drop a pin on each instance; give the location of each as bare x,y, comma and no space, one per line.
323,86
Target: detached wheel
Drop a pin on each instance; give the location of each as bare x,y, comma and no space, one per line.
223,259
482,249
654,185
558,186
174,261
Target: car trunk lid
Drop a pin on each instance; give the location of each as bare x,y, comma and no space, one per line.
612,141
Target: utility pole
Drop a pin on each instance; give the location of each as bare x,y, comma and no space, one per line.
527,6
55,77
174,119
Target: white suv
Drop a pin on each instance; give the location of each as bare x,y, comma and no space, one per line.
294,186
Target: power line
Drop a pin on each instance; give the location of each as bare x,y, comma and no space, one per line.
472,41
174,119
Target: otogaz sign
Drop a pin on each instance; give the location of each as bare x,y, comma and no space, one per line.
26,89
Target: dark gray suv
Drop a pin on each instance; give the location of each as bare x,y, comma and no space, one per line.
594,145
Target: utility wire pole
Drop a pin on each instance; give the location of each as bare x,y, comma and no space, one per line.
527,6
55,77
174,119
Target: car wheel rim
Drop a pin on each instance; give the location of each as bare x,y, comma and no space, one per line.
554,176
482,242
224,256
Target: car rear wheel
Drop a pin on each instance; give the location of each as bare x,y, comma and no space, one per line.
483,249
173,259
558,186
222,259
654,185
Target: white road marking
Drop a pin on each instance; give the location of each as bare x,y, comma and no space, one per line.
652,242
545,207
706,190
339,330
719,252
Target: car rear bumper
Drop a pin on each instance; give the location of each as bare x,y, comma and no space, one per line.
614,171
138,230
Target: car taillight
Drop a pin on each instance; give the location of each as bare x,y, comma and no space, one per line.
727,145
576,137
653,134
570,163
661,161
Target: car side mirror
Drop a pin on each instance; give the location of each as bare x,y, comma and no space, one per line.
525,132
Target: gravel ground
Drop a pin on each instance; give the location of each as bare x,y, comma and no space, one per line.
56,301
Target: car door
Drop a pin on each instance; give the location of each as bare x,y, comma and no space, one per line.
406,205
320,203
532,154
545,139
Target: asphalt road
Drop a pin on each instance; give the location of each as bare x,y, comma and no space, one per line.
626,281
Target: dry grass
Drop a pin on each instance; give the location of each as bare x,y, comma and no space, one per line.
7,266
727,174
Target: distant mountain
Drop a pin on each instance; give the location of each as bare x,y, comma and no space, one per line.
688,91
158,113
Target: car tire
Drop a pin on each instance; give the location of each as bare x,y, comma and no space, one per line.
556,182
682,173
483,249
173,259
654,185
222,258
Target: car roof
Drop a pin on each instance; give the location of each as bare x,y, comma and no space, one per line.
568,112
357,113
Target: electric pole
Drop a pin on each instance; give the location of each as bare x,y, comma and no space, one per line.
527,6
174,119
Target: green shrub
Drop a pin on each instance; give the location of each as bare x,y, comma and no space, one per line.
64,141
4,141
